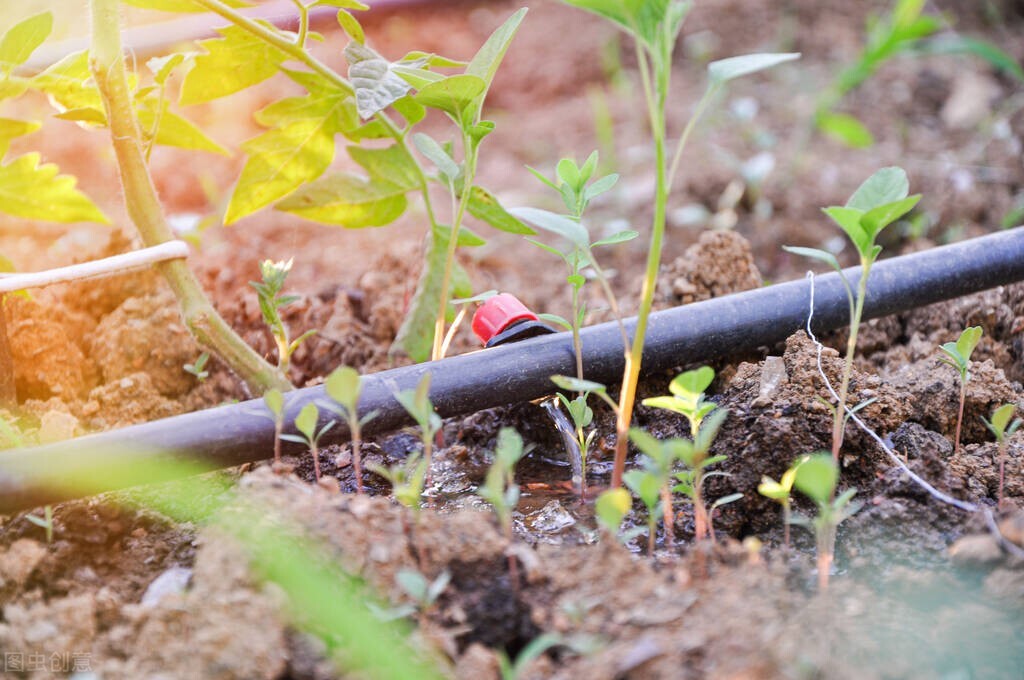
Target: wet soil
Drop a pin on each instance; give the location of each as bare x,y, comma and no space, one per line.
922,589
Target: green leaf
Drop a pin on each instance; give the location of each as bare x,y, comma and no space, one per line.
769,488
347,201
600,186
725,500
611,508
274,400
557,320
724,70
410,110
174,130
569,229
644,485
848,220
690,386
613,10
180,6
968,341
287,157
466,237
22,39
11,129
567,171
343,386
709,429
351,26
961,44
162,67
69,84
614,239
488,58
817,476
343,4
887,185
452,94
230,63
306,421
436,154
376,85
844,128
34,191
815,254
392,164
484,206
879,218
572,384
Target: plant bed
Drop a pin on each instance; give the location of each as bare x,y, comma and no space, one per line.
175,579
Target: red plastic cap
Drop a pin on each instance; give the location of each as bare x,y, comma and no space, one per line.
498,313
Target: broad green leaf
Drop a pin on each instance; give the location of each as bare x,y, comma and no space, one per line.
351,26
436,154
1001,418
613,10
848,220
485,206
906,12
488,58
572,384
376,85
817,476
286,157
667,403
69,84
416,76
22,39
724,70
305,422
452,94
347,201
410,110
567,171
611,507
274,400
968,341
174,130
569,229
885,186
180,6
343,386
230,63
34,191
392,164
12,129
815,254
86,116
709,429
619,237
690,385
644,485
845,128
879,218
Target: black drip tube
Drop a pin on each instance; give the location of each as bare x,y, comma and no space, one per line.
721,327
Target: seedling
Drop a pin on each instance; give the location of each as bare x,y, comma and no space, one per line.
45,522
268,291
407,480
417,404
611,508
647,484
655,28
425,592
958,355
536,647
274,401
582,415
782,491
306,423
816,478
1003,429
198,369
343,385
878,202
499,487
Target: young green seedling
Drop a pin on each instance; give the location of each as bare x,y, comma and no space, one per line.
816,478
610,508
958,355
782,491
45,522
878,202
268,291
499,487
655,27
1003,429
274,401
417,404
536,647
306,423
407,480
647,484
343,385
582,415
198,369
424,591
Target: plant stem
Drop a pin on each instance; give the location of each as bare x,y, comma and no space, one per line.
202,320
785,525
960,413
1002,464
669,518
839,420
357,461
315,450
278,428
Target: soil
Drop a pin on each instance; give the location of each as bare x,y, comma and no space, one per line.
921,588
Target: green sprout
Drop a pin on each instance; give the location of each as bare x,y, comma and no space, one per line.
878,202
958,355
274,401
514,670
306,423
816,478
343,385
45,522
611,507
1003,429
582,415
407,480
782,492
648,482
499,487
417,404
268,291
424,591
655,28
198,369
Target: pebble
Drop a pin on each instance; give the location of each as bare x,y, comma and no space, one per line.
171,582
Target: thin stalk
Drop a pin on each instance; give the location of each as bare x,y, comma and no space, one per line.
315,450
839,420
690,125
577,343
670,518
960,413
613,303
785,524
206,325
278,429
357,455
450,335
826,548
300,40
1002,465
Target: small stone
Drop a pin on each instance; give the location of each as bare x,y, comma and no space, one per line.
773,376
56,426
976,550
171,582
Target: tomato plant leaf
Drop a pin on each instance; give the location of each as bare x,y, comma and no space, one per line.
351,26
376,85
392,164
569,229
12,129
229,64
174,130
347,201
69,84
817,476
34,191
22,39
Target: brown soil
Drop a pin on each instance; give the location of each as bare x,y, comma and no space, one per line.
922,589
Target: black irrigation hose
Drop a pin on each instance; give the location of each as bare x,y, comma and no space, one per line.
721,327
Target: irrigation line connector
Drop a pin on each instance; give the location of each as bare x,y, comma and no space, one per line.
107,266
852,415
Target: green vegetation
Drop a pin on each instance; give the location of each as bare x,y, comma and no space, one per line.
306,423
198,369
958,355
499,487
343,385
268,292
781,491
274,401
1002,427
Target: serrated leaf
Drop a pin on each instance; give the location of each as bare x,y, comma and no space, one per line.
436,154
34,191
452,94
569,229
69,84
180,6
485,206
22,39
884,186
724,70
376,85
174,130
347,201
231,63
844,128
12,129
392,164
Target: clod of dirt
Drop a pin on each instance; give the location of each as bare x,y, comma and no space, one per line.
978,466
66,624
129,400
721,262
18,561
146,334
46,356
